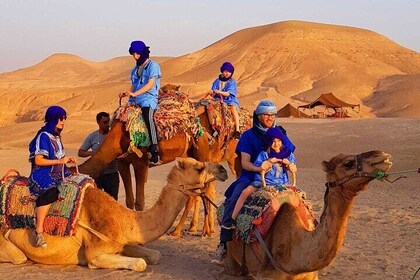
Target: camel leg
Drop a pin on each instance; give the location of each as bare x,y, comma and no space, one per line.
141,171
188,206
196,212
208,227
124,169
137,251
232,267
117,262
232,166
10,253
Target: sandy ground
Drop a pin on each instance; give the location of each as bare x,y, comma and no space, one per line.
382,240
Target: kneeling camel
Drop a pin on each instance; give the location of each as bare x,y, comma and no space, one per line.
113,233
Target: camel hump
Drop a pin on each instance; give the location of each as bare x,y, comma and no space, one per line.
260,211
9,174
17,205
221,119
175,115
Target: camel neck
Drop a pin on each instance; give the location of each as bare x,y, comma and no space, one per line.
311,251
107,152
151,224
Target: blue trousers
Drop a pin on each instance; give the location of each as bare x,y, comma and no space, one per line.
232,194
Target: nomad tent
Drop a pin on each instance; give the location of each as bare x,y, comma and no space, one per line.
289,111
330,102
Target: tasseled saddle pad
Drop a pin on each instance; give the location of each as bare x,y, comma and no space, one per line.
258,211
17,205
221,119
175,114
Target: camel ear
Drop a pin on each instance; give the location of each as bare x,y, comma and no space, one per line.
179,163
177,88
328,166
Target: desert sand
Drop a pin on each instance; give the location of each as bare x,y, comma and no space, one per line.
286,62
383,228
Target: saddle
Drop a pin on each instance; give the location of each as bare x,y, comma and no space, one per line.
221,119
175,114
17,204
260,211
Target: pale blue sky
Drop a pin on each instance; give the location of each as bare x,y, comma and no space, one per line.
31,30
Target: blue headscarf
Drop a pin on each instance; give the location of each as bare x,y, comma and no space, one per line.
268,107
264,107
140,48
229,67
52,115
268,139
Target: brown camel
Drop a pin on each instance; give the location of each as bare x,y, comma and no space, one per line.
110,235
202,150
297,252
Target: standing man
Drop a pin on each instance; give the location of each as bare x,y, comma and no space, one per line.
109,180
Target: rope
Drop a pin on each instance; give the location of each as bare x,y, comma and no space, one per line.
62,172
414,276
381,175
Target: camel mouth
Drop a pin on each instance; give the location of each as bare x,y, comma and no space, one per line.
384,163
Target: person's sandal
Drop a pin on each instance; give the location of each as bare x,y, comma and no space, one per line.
40,241
220,254
155,160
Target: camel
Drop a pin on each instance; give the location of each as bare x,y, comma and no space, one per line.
201,150
108,237
297,252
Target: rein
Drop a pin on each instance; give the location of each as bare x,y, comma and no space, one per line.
186,191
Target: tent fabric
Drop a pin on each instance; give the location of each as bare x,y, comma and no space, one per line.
290,111
329,100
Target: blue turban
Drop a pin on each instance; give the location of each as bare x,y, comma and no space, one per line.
52,115
137,47
268,139
266,107
227,66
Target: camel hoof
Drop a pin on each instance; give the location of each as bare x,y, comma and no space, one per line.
140,265
192,229
175,233
206,234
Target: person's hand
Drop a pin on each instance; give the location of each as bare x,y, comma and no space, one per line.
274,160
266,165
124,94
72,159
285,161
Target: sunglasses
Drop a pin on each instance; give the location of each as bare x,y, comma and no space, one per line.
269,115
63,118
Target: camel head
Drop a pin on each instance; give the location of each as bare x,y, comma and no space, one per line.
355,171
169,87
192,175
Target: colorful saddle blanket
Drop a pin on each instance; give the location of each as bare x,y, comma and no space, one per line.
261,208
221,119
17,205
175,114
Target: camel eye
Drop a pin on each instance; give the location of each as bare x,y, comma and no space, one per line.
349,165
200,169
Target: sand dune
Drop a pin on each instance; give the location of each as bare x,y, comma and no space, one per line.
290,61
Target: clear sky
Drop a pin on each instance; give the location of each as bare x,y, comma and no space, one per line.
98,30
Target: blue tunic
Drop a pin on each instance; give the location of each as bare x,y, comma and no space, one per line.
139,78
228,86
277,175
43,178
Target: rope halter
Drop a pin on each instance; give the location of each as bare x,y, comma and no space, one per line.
357,174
